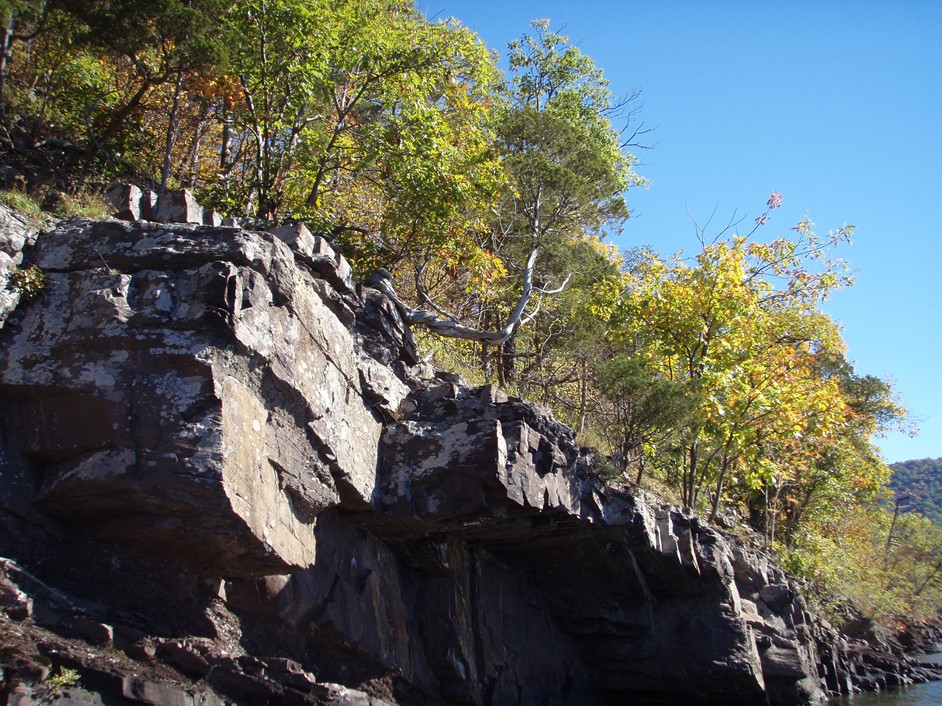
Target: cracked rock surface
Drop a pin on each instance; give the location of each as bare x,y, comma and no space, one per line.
227,477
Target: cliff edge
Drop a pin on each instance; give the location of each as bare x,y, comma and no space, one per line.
228,478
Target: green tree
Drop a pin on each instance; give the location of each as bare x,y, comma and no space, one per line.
364,118
921,480
567,168
642,411
154,44
740,329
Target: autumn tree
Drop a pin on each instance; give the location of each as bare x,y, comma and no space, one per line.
152,45
567,168
891,571
740,329
363,118
844,468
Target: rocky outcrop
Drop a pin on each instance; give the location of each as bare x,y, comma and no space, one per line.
17,236
228,477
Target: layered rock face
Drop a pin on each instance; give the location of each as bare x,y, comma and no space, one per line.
227,477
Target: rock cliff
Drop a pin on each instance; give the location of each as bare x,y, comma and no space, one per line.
227,477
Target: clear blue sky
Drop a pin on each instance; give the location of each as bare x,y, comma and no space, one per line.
837,105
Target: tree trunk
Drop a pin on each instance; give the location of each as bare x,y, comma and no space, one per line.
508,358
171,130
690,487
192,174
583,394
889,535
118,119
225,147
6,46
641,466
382,280
720,484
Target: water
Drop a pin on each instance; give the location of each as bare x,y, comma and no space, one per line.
919,695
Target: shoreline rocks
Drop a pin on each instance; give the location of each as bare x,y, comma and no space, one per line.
224,461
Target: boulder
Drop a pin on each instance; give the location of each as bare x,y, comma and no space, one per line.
199,404
130,202
178,207
17,234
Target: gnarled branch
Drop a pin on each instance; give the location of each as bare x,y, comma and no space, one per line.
382,280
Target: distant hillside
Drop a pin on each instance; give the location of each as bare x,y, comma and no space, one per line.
922,480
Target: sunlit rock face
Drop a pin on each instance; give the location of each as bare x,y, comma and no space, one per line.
186,390
227,476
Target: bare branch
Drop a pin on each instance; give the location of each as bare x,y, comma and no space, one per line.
424,296
540,290
382,280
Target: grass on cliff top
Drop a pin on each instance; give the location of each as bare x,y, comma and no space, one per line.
22,203
83,204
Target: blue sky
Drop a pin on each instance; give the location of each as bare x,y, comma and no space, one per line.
837,105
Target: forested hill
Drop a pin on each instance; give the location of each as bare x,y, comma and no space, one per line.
481,196
920,480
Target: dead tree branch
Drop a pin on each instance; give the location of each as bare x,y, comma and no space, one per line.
382,280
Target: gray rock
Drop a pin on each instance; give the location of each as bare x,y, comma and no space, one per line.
17,233
128,202
14,602
185,657
219,405
178,207
9,294
198,389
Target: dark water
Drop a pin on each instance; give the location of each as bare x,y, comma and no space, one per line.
918,695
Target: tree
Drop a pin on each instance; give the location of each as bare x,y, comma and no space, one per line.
921,479
20,20
363,118
842,553
422,157
642,411
567,170
843,469
157,43
740,329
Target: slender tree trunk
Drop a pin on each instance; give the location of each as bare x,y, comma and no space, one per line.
196,150
720,484
690,488
484,323
889,535
925,582
641,467
768,515
584,394
774,524
172,121
721,481
6,47
508,357
118,119
225,147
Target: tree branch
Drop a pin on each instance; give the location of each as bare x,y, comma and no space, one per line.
424,296
382,280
